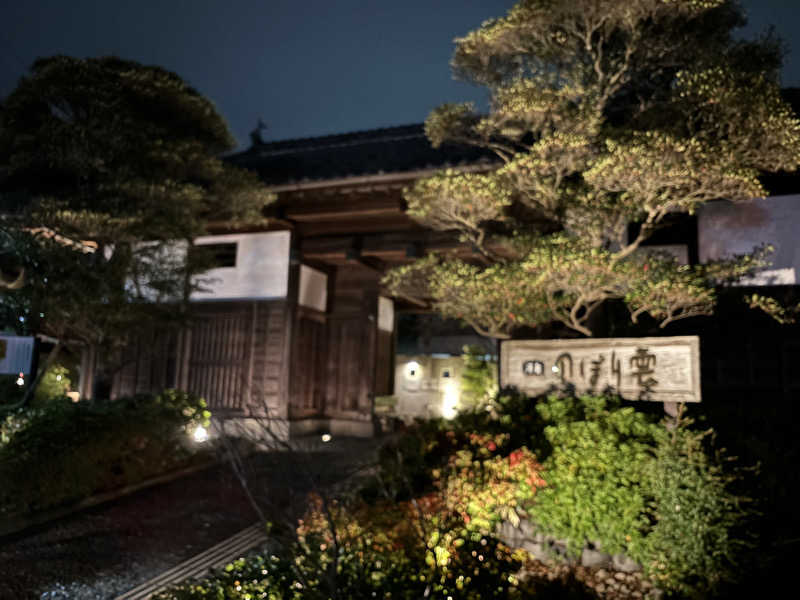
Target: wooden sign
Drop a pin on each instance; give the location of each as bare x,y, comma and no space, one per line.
659,369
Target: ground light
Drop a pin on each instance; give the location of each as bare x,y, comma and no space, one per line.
200,434
326,437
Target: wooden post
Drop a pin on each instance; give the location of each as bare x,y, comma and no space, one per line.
86,380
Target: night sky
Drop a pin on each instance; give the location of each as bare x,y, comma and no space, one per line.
307,68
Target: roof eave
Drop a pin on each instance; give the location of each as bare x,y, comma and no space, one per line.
378,178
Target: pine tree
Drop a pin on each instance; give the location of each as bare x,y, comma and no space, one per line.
602,114
106,165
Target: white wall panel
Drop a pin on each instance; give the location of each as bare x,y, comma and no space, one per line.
261,271
725,229
313,291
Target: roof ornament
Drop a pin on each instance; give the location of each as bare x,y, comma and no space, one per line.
255,135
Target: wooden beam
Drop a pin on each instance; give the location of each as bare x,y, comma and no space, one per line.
383,224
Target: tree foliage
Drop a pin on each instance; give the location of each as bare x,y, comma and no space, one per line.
602,114
104,165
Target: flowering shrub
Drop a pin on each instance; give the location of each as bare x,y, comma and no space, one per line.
603,473
588,470
410,550
486,488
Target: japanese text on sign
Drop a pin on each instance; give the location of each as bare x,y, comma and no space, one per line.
656,369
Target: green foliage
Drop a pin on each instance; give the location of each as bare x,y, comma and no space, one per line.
105,165
54,385
590,471
602,473
772,307
700,532
478,378
594,474
602,114
627,484
386,551
66,451
487,488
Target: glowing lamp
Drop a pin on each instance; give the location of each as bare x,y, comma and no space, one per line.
412,369
200,434
450,400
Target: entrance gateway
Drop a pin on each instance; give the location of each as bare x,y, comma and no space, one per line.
319,353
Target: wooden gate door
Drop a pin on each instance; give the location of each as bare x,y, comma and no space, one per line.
308,364
218,359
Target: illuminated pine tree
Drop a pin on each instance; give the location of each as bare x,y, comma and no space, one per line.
602,114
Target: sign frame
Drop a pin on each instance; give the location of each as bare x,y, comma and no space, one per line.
516,354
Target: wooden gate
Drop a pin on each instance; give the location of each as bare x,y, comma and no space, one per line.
219,358
309,355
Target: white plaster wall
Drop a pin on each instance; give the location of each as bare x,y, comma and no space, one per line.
426,393
385,314
313,290
725,229
261,271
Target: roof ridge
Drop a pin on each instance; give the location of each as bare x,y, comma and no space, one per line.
352,138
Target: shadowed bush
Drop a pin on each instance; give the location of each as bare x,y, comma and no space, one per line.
62,453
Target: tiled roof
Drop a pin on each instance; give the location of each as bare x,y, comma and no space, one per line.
374,152
399,149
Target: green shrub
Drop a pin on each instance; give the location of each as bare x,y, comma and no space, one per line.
620,480
612,476
486,488
700,527
66,451
388,550
478,379
54,385
595,473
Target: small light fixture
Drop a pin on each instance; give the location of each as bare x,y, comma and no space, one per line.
326,437
412,369
200,434
58,377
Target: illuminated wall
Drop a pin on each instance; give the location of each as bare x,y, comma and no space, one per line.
427,386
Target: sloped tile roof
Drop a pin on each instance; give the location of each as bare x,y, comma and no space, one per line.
374,152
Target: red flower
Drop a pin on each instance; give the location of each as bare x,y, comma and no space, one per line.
491,446
646,267
514,458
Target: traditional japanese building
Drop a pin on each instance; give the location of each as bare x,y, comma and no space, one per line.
294,322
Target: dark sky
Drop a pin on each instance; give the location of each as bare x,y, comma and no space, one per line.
307,67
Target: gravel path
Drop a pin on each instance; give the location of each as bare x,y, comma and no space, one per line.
109,549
